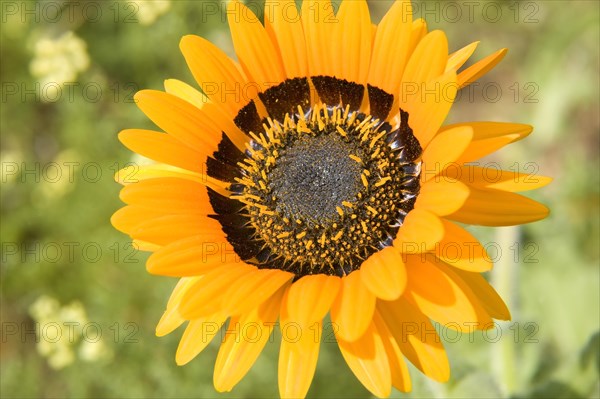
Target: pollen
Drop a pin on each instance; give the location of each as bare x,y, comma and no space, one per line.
317,190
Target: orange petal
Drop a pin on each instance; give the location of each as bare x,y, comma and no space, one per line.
133,173
398,368
298,354
169,195
192,256
480,68
185,92
216,73
245,339
318,19
257,53
197,336
169,228
171,319
310,298
420,232
444,150
483,317
352,310
428,105
140,245
459,57
128,218
255,289
390,48
460,249
368,360
162,147
384,275
186,123
418,32
353,26
428,60
417,338
206,296
283,22
489,137
485,293
488,207
443,197
491,177
440,296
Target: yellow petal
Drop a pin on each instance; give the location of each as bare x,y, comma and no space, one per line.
162,147
171,319
283,22
488,207
485,293
460,249
133,173
390,48
255,289
420,232
459,57
245,339
206,297
368,360
483,316
398,368
185,92
170,228
128,218
428,105
217,74
197,336
310,298
428,60
480,68
489,137
140,245
192,256
444,150
416,337
440,296
169,195
418,32
298,354
384,275
353,26
257,53
352,310
179,118
318,20
497,179
442,197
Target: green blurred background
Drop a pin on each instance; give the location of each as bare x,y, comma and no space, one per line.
79,309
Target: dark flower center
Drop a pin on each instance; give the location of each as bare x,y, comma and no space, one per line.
317,191
313,177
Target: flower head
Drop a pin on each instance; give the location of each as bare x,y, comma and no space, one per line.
316,177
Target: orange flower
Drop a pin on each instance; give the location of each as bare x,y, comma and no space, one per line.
315,177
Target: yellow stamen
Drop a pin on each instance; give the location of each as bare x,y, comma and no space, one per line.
383,181
338,235
355,158
364,181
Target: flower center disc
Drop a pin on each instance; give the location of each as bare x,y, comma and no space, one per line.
325,189
313,177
